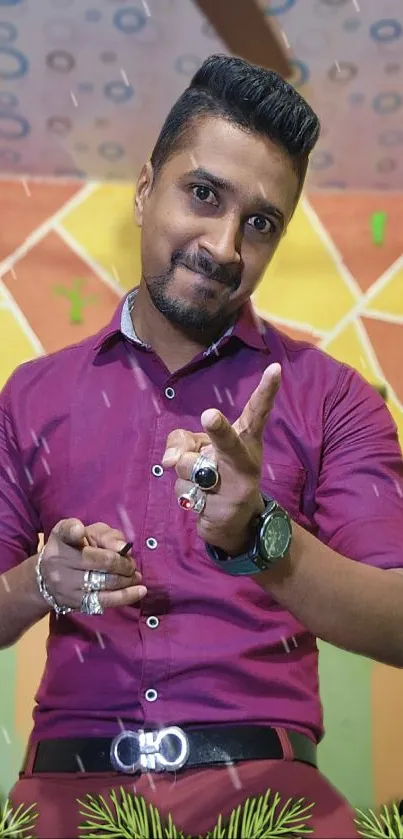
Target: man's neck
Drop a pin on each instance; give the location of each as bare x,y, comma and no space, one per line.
174,348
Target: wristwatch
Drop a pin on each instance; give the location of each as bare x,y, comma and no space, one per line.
271,542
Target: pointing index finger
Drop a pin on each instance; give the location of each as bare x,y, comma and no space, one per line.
256,411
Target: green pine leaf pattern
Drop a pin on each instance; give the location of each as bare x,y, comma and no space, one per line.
127,816
387,824
132,818
17,823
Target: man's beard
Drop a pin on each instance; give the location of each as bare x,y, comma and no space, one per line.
191,318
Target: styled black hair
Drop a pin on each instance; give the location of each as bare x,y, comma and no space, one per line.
251,97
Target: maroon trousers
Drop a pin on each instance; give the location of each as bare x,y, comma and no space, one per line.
194,798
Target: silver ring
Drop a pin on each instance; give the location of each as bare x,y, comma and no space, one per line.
194,500
200,503
90,604
94,581
205,473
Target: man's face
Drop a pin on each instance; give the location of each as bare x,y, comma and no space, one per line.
211,221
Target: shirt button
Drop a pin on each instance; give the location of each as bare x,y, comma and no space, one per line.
151,695
152,622
157,470
170,393
151,543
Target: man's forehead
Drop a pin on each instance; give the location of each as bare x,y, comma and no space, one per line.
215,136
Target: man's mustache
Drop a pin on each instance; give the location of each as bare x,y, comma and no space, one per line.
228,275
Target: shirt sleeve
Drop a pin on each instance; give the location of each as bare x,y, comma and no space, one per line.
19,525
359,496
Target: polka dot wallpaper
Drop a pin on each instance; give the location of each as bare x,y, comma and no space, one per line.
347,57
86,84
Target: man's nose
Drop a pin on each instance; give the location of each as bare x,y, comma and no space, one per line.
222,241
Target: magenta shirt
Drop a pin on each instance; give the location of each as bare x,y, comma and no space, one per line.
82,433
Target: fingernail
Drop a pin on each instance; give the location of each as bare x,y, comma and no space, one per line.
141,591
170,457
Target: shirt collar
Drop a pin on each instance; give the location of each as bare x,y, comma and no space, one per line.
121,324
248,328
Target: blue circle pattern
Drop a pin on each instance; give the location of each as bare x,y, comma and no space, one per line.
132,20
10,155
93,15
334,185
391,138
22,63
186,65
118,92
65,172
7,100
23,126
356,98
85,87
280,8
351,24
385,31
129,20
8,32
302,72
387,103
321,160
111,151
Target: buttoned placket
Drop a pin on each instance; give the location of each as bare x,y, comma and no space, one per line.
155,609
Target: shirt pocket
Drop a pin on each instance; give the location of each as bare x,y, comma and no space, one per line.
285,484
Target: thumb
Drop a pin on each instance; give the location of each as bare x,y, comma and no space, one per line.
71,532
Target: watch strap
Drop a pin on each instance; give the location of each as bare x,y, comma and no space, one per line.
251,562
239,566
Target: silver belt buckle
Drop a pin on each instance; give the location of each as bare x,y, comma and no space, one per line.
148,747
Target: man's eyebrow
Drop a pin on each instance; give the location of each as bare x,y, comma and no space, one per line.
214,180
265,207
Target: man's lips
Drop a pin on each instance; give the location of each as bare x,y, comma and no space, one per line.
201,276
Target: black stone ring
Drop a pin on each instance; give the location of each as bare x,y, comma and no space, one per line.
205,473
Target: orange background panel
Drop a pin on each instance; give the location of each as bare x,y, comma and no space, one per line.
388,350
15,225
347,218
49,265
387,733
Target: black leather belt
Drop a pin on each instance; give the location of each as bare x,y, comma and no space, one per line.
169,749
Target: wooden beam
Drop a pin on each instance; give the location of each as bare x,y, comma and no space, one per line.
247,32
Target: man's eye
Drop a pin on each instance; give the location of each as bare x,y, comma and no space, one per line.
261,224
204,194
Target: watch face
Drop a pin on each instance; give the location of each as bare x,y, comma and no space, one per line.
276,535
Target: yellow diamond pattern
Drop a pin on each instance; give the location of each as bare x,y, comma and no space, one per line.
305,286
303,283
349,347
103,224
16,348
390,297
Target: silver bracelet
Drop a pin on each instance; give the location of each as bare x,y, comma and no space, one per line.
50,600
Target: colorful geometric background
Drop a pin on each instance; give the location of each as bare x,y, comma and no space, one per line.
68,252
84,88
86,84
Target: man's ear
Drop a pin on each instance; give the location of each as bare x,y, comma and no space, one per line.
143,190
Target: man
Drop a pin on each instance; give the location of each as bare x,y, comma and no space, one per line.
289,508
